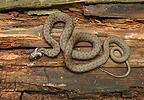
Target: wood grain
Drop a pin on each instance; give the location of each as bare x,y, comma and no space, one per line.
10,95
5,5
20,34
20,57
115,10
40,78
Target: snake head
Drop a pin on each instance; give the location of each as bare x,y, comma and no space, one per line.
35,55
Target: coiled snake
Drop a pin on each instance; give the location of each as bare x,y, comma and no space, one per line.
68,39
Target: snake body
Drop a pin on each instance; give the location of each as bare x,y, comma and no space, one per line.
97,61
68,39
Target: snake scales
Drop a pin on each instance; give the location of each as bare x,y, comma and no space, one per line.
68,39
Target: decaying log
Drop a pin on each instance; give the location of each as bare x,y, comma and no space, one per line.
35,96
20,34
59,79
10,95
11,4
42,96
134,11
21,57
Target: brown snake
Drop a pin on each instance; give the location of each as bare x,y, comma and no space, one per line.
68,39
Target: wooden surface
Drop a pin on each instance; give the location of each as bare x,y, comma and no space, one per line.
15,4
135,11
20,34
39,96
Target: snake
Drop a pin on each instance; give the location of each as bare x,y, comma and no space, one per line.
68,40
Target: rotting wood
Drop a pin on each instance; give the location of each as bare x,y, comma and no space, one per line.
39,96
135,11
42,12
11,4
20,57
113,1
55,79
31,35
33,38
10,95
98,96
19,33
35,96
